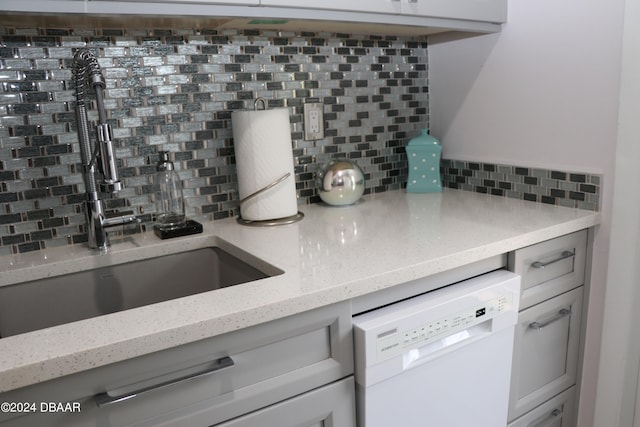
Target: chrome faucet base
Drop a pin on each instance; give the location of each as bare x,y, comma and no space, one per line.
98,224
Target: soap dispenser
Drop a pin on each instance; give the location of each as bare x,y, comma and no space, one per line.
169,198
423,154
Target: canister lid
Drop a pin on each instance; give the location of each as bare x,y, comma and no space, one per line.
423,139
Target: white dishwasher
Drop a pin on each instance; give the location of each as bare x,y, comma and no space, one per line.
441,359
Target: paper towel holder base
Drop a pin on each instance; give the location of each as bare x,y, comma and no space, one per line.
269,222
272,222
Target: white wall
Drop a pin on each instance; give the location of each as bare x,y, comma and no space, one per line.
616,397
542,93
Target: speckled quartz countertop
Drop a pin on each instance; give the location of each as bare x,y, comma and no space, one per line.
332,255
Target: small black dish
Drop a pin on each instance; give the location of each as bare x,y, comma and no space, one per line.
167,232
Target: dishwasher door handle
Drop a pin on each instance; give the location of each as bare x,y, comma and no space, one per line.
106,398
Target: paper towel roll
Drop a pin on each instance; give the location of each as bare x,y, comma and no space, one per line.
262,140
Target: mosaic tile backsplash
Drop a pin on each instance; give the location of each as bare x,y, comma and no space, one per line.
569,189
175,90
172,89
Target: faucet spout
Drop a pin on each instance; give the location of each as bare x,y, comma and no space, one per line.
100,170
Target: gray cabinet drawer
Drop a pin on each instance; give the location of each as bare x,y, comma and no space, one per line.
258,366
545,353
550,268
558,411
331,405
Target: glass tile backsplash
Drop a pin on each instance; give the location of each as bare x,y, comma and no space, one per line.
569,189
175,89
169,89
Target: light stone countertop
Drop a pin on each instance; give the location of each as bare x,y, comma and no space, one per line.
333,254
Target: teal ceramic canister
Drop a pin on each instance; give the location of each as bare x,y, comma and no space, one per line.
423,153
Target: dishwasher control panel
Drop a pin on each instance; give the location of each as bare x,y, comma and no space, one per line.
437,320
395,341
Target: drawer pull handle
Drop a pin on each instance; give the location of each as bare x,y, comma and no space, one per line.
563,255
564,312
551,419
104,399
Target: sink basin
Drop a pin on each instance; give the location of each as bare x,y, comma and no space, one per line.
57,300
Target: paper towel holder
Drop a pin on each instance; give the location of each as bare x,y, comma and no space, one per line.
260,100
269,222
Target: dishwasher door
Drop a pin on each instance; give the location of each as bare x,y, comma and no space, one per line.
439,359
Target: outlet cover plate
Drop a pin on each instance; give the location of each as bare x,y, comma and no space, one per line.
313,121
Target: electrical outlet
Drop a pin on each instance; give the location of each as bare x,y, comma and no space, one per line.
313,121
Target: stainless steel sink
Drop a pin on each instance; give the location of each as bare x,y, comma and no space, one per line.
57,300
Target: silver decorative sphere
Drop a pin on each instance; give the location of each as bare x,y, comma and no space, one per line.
340,182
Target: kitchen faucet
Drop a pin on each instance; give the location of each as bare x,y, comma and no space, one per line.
99,161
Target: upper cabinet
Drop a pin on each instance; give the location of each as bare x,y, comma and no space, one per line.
209,2
43,6
476,10
412,17
373,6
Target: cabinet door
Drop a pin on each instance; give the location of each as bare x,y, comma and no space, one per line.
53,6
474,10
373,6
331,405
545,351
213,2
556,412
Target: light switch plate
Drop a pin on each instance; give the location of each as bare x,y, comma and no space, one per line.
313,121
